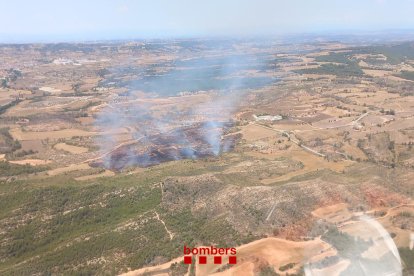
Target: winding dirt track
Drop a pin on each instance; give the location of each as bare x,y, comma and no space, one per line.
171,234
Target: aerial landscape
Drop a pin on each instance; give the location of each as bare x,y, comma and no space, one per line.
295,151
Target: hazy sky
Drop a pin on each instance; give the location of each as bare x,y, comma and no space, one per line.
105,19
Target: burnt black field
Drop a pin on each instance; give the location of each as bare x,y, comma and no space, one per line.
191,142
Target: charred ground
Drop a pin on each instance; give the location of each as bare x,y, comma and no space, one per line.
102,174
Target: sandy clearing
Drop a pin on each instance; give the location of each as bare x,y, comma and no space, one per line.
405,123
85,120
275,251
377,251
324,211
358,229
32,162
377,73
153,269
2,156
335,214
35,145
333,124
25,108
354,151
402,238
310,163
293,126
395,78
20,135
334,112
245,269
299,67
333,270
106,173
70,168
70,148
49,89
253,132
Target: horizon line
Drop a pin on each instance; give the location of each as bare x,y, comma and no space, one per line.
81,38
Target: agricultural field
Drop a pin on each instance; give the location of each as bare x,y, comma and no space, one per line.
113,156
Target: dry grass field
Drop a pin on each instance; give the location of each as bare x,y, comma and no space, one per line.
115,155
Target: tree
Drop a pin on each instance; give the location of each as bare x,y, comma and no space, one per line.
3,83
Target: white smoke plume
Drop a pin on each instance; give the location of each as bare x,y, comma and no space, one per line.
191,133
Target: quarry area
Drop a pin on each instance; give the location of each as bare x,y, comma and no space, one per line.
113,156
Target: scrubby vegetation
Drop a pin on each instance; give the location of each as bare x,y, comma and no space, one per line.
70,225
7,143
9,169
341,57
178,269
20,153
54,225
340,64
347,246
407,257
268,271
340,70
7,106
395,53
408,75
287,266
